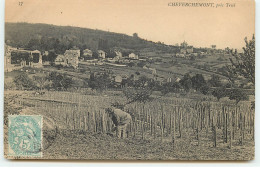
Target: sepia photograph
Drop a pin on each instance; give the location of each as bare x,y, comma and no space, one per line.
129,80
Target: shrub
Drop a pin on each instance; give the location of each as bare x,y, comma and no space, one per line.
60,81
186,82
219,92
198,81
238,95
22,81
215,81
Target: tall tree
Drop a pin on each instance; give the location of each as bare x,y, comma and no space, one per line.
238,95
244,63
198,81
186,82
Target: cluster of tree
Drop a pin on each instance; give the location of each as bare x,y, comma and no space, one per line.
142,88
54,81
243,64
196,82
60,38
213,87
170,87
100,81
23,82
134,90
49,43
59,81
233,94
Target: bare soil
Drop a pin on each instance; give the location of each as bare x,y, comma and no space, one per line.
83,145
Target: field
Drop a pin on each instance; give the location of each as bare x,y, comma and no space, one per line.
76,126
175,126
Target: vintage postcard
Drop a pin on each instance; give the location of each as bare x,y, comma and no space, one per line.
129,80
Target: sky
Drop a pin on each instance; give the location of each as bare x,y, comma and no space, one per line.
153,20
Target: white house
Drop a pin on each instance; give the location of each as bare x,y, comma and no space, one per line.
87,53
133,56
20,57
177,79
72,57
60,60
101,54
118,54
46,53
118,79
180,55
188,50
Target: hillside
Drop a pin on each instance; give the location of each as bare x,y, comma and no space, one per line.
47,37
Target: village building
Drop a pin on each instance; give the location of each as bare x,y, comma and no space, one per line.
87,53
186,50
60,60
145,67
7,58
118,79
176,79
195,54
183,51
45,53
72,57
203,53
133,56
189,49
180,55
171,79
101,54
18,58
118,54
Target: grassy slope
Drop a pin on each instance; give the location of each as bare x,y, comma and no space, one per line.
19,34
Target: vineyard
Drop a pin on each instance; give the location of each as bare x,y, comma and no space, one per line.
167,120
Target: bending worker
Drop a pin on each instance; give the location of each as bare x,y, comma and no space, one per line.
120,119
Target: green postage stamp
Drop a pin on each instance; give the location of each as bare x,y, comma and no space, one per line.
25,136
